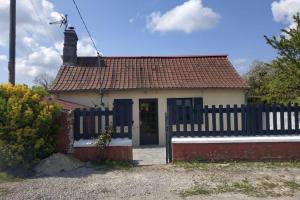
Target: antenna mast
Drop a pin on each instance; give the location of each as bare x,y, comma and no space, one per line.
63,21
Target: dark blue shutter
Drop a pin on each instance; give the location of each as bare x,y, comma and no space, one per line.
171,110
122,115
198,105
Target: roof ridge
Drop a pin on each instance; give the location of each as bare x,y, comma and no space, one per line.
167,56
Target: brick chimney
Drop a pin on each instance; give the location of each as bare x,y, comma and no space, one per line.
70,47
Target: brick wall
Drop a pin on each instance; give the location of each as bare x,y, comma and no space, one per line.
237,151
111,153
62,137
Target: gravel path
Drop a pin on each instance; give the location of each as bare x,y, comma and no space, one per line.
149,182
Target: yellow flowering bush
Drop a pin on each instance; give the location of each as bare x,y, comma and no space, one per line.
27,125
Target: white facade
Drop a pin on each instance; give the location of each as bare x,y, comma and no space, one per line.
210,97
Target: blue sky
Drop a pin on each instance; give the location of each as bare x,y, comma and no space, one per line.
146,27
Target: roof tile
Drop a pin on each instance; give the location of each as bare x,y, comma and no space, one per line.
148,72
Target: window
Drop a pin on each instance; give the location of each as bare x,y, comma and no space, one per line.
184,109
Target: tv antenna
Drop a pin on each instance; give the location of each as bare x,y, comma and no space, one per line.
63,21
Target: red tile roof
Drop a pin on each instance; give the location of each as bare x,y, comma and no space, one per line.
148,72
66,105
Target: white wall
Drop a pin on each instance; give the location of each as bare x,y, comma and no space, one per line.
285,119
210,97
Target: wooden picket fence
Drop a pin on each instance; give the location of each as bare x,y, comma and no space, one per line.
221,121
245,120
90,123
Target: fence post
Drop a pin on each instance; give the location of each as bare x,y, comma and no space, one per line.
282,124
206,119
106,113
199,119
213,113
228,119
259,119
169,133
177,121
248,119
130,120
92,122
289,115
221,121
235,119
167,138
243,115
184,120
253,119
296,113
267,110
192,111
84,124
77,124
274,111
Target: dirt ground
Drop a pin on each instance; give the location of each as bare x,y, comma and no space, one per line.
179,181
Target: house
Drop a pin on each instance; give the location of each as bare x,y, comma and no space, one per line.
144,87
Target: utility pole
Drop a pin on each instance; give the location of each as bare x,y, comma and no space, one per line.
12,43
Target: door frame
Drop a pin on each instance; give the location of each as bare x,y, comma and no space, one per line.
157,115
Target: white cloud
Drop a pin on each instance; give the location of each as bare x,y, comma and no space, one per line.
241,65
240,61
41,61
39,45
85,47
28,22
3,58
187,17
283,11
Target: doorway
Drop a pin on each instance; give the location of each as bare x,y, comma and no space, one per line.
148,121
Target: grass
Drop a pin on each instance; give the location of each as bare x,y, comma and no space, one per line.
230,165
292,184
5,177
196,190
112,165
260,189
4,191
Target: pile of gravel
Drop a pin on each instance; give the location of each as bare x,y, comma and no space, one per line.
57,163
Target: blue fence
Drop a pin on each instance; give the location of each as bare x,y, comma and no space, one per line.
90,123
245,120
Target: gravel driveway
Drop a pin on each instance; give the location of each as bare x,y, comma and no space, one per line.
159,182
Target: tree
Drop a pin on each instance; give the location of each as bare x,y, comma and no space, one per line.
284,87
44,80
257,77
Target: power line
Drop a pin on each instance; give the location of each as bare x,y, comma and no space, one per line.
50,37
86,28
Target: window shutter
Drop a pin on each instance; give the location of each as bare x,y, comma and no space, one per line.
171,109
198,105
122,108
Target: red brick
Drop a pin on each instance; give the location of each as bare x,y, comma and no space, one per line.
240,151
62,138
111,153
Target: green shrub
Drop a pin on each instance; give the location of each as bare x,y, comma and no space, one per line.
27,126
104,138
